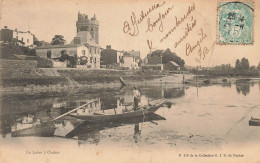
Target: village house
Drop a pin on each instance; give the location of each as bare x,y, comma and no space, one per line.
110,57
86,56
131,59
154,62
23,38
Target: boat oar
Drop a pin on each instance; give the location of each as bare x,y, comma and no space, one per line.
72,111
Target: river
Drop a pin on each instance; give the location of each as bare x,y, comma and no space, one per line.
195,118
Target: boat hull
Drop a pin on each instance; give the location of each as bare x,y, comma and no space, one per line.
116,117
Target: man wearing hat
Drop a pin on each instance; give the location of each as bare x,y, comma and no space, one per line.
137,97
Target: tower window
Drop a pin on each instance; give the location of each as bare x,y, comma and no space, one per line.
92,29
83,52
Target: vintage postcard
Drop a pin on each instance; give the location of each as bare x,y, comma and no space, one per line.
129,81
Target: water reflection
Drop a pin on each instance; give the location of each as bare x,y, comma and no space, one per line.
243,86
20,112
137,133
90,132
25,115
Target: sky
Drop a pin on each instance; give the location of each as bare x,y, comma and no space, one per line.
46,18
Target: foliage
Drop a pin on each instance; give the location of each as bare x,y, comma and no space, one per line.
238,65
244,64
72,60
167,56
83,60
258,66
15,48
58,40
242,68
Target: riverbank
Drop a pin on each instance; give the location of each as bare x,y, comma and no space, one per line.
56,80
38,80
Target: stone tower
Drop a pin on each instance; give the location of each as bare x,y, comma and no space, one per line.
90,25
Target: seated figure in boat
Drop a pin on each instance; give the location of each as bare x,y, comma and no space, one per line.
137,97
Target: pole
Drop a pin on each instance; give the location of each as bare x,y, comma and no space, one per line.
73,110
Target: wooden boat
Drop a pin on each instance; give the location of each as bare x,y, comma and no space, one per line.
46,129
41,130
254,122
87,128
101,117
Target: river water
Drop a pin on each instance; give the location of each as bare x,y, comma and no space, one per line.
195,117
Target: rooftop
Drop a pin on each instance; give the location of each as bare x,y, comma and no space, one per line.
85,38
58,46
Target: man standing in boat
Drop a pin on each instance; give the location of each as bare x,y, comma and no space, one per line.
137,97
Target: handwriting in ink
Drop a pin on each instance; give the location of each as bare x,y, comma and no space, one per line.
132,28
191,48
151,26
188,29
178,22
150,45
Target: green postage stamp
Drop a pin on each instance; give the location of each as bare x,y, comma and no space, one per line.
235,22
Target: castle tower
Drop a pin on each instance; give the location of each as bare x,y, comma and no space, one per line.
90,25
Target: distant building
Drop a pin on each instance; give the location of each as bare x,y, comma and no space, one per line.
155,59
41,43
81,51
6,34
88,25
24,38
131,59
133,53
84,45
154,62
110,57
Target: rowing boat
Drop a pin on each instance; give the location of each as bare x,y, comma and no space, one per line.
98,117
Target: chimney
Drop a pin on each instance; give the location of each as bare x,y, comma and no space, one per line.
108,46
5,27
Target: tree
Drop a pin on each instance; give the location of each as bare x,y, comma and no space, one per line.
245,64
258,66
171,56
58,40
238,65
167,56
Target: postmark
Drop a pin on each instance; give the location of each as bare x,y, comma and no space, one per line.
235,22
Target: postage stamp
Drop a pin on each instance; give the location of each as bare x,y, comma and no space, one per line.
235,22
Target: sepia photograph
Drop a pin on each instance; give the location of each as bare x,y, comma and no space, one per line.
134,81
